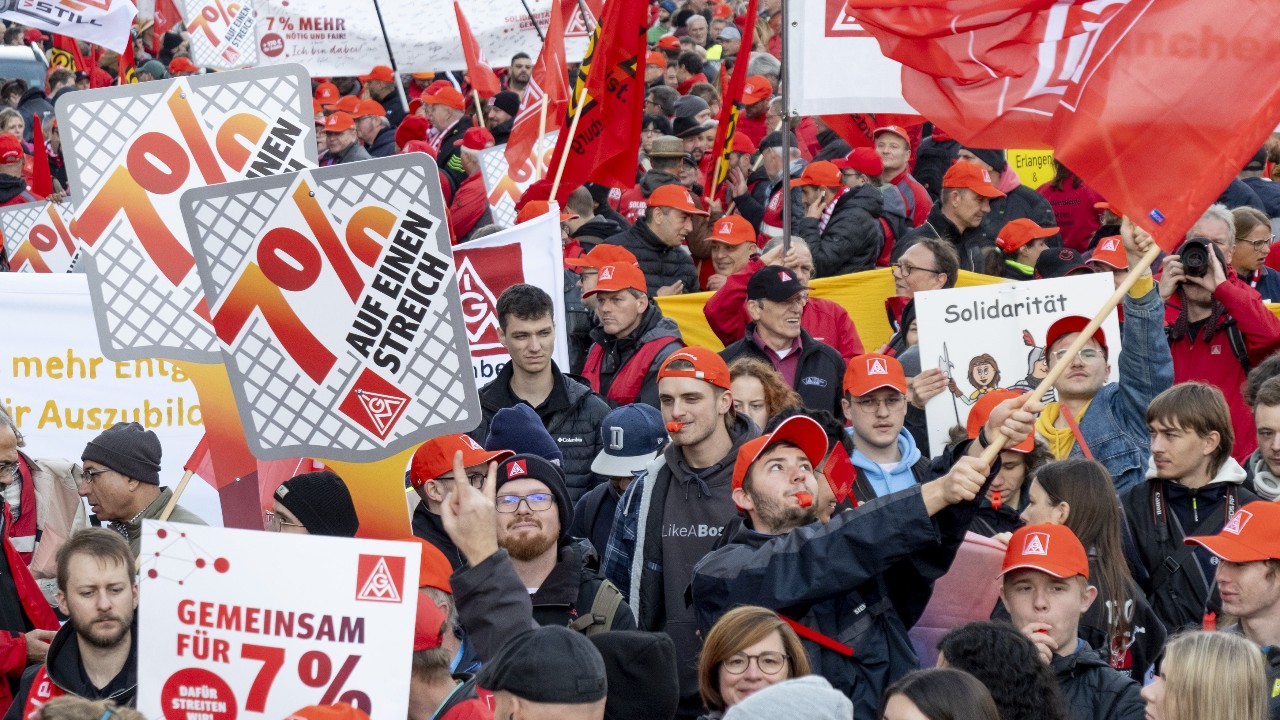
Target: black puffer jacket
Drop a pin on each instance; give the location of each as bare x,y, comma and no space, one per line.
384,143
570,589
619,351
968,244
1094,691
819,375
662,264
594,231
1020,202
852,239
572,414
578,321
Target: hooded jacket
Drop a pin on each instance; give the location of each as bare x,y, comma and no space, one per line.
852,238
13,191
968,244
617,352
662,264
819,373
63,669
901,477
1094,690
570,589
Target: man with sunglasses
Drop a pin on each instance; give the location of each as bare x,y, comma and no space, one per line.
431,477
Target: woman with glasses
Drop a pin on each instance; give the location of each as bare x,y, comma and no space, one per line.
1254,240
747,650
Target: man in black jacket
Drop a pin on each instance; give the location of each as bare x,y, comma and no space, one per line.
342,141
381,84
967,193
842,226
657,241
1046,589
375,132
569,410
775,301
431,477
444,110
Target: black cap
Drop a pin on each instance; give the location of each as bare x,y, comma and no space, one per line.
774,139
1061,262
550,664
533,467
774,282
685,127
1258,162
641,667
993,157
321,502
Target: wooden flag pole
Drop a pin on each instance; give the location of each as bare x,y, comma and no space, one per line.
573,128
475,94
998,442
177,493
542,131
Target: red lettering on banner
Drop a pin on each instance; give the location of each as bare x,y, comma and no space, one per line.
272,658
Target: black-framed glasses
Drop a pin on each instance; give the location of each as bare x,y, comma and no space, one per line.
1260,244
870,405
537,502
908,268
475,479
770,663
92,475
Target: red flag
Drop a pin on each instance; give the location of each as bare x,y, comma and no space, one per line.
200,463
167,16
550,78
856,128
480,72
128,70
42,174
65,53
730,107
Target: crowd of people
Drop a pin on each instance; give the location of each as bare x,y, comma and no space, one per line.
661,530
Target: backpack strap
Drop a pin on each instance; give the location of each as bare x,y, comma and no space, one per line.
627,382
603,610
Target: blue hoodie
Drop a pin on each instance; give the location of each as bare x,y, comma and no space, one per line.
901,477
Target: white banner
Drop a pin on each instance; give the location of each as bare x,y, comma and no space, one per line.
62,392
101,22
835,66
37,238
504,185
222,32
243,624
992,336
527,253
329,37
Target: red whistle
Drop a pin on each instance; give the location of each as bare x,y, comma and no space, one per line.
996,504
674,427
804,498
1043,632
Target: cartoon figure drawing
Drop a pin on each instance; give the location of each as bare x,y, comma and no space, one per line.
984,376
1037,369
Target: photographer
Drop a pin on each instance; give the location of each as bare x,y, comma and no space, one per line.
1218,327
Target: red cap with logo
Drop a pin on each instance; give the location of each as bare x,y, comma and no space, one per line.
1110,252
346,104
365,108
381,73
338,122
601,255
708,366
822,173
863,159
669,42
755,89
1046,547
10,150
894,129
477,138
800,430
1071,324
1017,233
618,276
327,93
873,371
1251,535
435,457
981,412
733,230
533,208
447,95
971,176
675,196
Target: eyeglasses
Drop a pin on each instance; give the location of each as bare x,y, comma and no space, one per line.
1085,354
91,475
1260,244
475,479
770,663
870,405
908,268
276,522
537,502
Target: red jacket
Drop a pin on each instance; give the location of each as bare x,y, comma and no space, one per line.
684,87
919,203
469,206
755,128
825,320
1217,363
13,645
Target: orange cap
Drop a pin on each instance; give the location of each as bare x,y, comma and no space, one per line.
338,122
981,412
822,173
1252,534
708,366
346,104
1110,252
433,567
733,230
618,276
1017,233
669,42
337,711
181,65
756,88
722,11
1046,547
327,93
800,430
656,58
675,196
873,371
971,176
448,96
895,130
365,108
381,73
434,458
537,208
601,255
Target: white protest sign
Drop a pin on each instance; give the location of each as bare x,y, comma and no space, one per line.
526,253
333,297
243,624
836,66
61,391
222,32
329,37
992,336
101,22
503,184
134,149
37,238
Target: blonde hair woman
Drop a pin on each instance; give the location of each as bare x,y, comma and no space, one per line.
1208,676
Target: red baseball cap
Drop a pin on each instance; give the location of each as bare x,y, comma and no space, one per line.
656,58
873,371
722,11
365,108
971,176
347,104
708,366
896,130
327,93
800,430
1017,233
1046,547
822,173
742,144
618,276
533,208
181,65
981,412
675,196
477,138
1110,252
433,567
381,73
428,624
10,150
863,159
733,230
1071,324
338,122
1251,535
447,95
336,711
755,89
601,255
669,42
33,35
434,458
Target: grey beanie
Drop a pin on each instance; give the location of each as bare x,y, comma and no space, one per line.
129,449
804,698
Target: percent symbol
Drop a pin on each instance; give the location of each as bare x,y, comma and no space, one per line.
316,670
286,23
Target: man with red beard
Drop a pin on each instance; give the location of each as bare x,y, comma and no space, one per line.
562,574
94,655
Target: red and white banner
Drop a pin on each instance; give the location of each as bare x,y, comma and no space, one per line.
37,237
835,66
222,32
505,184
331,292
329,37
101,22
134,150
241,625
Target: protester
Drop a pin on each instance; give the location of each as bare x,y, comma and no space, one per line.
1019,201
733,242
842,209
1263,466
657,241
380,84
641,672
1253,175
929,264
469,210
13,188
1007,497
547,672
967,193
665,157
435,691
759,391
373,129
341,140
1205,674
758,197
893,144
1253,243
806,698
874,407
314,503
502,112
1008,664
747,650
431,475
444,109
67,707
1073,204
1018,245
938,694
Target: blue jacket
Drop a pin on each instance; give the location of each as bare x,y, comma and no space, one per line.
1115,425
901,477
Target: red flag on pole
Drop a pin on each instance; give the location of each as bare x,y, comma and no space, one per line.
730,107
856,128
549,78
128,70
42,174
167,16
483,80
66,54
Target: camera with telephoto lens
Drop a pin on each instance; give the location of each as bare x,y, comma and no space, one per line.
1195,257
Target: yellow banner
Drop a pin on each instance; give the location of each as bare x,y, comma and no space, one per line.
1034,167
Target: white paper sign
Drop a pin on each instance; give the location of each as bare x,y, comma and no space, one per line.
37,237
243,624
824,38
504,184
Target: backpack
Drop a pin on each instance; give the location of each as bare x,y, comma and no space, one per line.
603,610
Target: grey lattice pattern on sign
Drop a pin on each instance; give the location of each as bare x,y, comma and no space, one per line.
16,222
229,218
492,167
204,53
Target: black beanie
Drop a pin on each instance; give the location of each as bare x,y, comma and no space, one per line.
641,670
508,102
321,502
994,158
532,467
129,449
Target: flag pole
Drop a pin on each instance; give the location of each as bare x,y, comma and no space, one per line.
391,57
534,22
997,443
542,131
568,147
177,493
479,110
786,140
